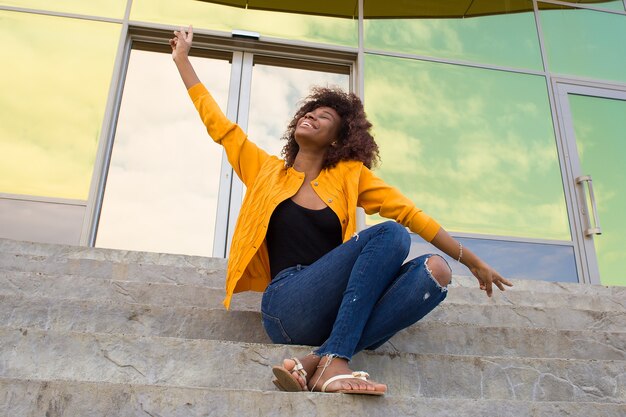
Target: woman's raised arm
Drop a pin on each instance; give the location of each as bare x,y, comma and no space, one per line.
243,155
181,44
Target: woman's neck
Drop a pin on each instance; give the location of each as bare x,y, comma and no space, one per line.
310,163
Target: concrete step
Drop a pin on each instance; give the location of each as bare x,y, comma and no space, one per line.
82,399
138,319
533,286
495,311
56,251
211,272
127,359
85,288
195,270
245,326
523,297
37,283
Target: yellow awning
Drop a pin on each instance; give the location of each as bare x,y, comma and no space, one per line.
387,9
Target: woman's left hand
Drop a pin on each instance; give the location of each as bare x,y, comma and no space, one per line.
487,276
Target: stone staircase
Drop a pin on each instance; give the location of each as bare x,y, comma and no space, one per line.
95,332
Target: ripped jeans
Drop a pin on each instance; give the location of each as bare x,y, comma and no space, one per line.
355,297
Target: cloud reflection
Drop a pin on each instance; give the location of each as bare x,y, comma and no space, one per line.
161,192
474,148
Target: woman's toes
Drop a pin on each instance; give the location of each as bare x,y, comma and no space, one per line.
365,386
299,378
290,364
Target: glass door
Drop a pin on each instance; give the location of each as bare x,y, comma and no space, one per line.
594,123
164,177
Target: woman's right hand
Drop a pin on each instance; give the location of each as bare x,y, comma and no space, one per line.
181,42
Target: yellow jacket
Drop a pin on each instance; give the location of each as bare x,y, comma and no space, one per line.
344,187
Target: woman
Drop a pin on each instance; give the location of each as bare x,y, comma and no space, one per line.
325,285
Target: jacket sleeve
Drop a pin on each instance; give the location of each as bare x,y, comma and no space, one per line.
376,196
243,155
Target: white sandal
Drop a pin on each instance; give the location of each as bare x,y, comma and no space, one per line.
355,375
285,381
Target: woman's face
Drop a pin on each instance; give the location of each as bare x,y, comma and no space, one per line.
318,129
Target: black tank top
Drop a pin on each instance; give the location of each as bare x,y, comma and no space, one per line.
300,236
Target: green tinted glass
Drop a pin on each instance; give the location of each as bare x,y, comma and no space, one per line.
500,39
600,128
105,8
53,100
610,5
585,43
474,148
226,18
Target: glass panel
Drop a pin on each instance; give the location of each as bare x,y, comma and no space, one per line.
603,4
585,43
38,221
205,15
500,39
53,99
162,186
105,8
274,97
474,148
610,5
517,260
600,128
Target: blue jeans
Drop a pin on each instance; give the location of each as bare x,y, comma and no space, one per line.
355,297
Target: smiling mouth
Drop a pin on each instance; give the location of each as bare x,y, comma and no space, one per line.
307,124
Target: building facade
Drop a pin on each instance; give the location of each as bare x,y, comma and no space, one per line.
504,120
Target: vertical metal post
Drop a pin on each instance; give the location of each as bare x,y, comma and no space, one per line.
360,61
224,197
105,142
237,188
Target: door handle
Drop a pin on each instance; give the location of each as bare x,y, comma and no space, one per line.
590,230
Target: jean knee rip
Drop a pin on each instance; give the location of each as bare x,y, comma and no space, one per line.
430,274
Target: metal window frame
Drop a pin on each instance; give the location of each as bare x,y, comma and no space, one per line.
588,6
43,199
105,142
63,14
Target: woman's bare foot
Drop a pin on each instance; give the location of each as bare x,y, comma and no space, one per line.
309,363
339,366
